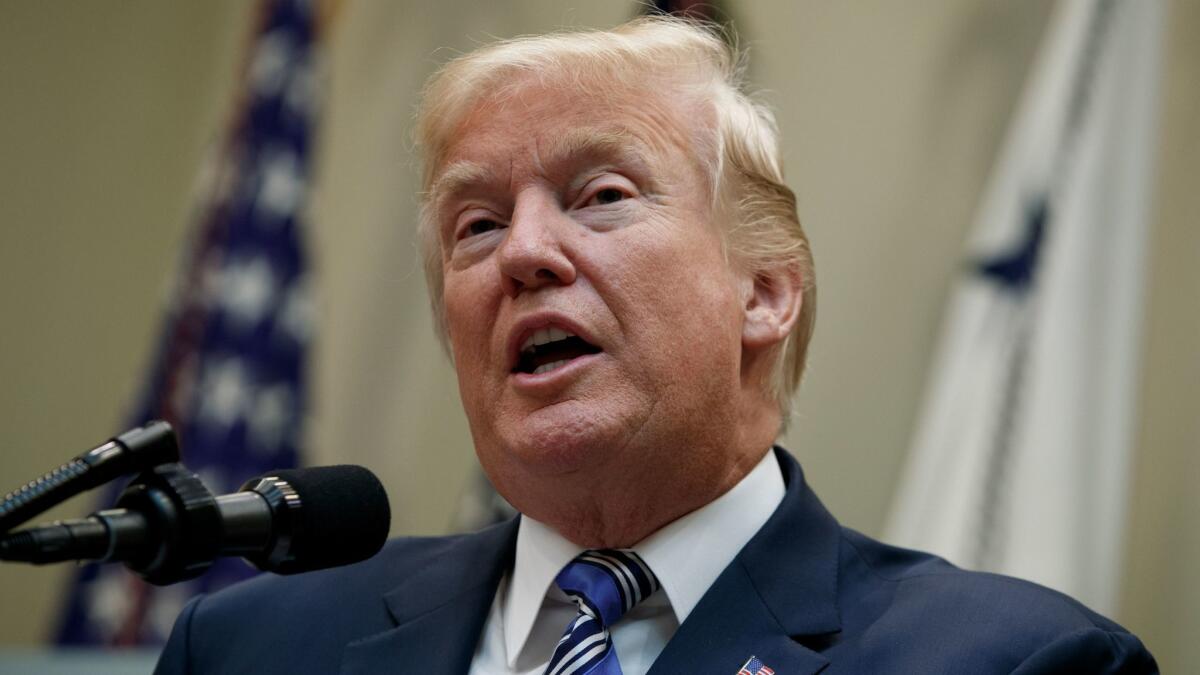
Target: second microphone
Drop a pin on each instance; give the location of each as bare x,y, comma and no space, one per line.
168,527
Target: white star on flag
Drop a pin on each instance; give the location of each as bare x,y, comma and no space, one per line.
248,287
109,601
296,316
272,59
281,191
271,418
224,392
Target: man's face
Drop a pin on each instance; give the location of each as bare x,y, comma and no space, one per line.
587,226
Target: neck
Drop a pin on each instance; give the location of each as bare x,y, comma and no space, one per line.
622,510
601,524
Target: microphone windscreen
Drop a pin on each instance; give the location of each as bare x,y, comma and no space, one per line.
344,516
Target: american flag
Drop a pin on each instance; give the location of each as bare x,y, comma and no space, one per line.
230,372
755,667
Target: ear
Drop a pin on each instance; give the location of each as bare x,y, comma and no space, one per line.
772,306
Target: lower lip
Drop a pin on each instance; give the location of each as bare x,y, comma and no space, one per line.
532,382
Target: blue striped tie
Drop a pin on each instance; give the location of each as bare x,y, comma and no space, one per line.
605,584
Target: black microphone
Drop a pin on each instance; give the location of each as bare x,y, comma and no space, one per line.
135,450
167,527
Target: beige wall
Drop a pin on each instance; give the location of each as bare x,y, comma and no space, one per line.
891,114
105,112
891,119
1162,594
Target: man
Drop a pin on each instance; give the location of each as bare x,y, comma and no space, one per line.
627,296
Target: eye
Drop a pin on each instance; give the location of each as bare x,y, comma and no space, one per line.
480,226
608,196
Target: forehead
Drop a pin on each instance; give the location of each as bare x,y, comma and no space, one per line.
542,126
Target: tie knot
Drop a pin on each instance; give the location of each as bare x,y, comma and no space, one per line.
607,583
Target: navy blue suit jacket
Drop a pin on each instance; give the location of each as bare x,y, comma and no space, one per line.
805,596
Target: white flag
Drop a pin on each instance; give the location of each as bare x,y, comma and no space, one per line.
1020,460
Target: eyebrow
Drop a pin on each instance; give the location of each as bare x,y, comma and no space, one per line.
457,178
573,147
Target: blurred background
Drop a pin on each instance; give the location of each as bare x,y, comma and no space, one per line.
114,116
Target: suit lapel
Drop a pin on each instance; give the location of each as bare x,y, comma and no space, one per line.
781,588
439,611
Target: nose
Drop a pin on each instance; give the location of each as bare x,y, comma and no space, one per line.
532,255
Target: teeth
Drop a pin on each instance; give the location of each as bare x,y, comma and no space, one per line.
543,336
547,367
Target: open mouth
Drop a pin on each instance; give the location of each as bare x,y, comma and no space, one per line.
549,348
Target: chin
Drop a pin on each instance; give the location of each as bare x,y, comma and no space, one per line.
563,438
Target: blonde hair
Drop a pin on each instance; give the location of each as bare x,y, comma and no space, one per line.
762,232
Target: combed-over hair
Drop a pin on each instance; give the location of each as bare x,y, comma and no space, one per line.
762,231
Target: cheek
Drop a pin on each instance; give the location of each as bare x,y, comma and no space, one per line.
468,322
680,300
680,272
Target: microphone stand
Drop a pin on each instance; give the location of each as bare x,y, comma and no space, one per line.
138,449
166,527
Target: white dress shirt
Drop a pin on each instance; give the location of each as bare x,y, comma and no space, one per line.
530,613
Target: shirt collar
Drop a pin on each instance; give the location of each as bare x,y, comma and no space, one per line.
541,553
687,555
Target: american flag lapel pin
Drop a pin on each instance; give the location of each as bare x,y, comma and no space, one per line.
753,666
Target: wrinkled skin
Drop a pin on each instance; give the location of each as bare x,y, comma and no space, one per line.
553,209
